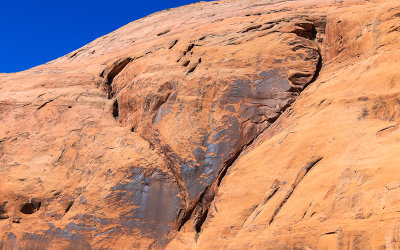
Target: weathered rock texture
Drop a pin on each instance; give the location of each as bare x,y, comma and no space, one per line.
231,124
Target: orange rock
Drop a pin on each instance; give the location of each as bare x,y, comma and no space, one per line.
229,124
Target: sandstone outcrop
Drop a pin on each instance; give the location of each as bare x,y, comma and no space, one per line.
230,124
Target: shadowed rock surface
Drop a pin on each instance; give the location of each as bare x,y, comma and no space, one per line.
232,124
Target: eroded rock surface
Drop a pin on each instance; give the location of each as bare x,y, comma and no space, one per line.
229,124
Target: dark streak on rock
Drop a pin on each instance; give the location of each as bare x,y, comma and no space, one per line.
192,69
305,212
173,44
185,64
44,104
163,33
69,207
189,48
384,129
115,110
328,233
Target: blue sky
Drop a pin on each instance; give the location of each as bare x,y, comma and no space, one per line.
35,32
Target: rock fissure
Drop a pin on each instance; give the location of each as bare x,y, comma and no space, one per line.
300,175
115,110
258,209
305,212
193,68
328,233
173,44
163,32
110,74
44,104
68,207
189,48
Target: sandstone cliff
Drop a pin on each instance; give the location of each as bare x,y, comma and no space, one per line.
235,124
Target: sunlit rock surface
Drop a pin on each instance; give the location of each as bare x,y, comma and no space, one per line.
231,124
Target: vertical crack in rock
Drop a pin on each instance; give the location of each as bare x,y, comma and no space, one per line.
110,74
115,110
300,176
318,69
69,206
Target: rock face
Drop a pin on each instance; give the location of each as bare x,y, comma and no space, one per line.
230,124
